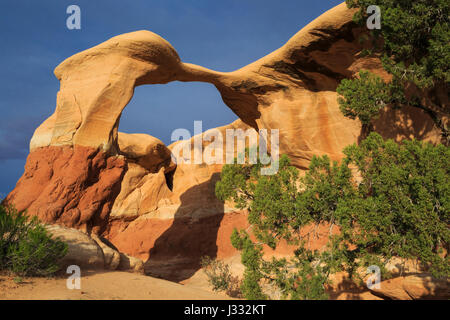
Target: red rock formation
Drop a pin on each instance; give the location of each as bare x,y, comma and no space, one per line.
75,187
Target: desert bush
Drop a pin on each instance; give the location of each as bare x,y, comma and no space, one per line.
26,247
13,226
386,200
415,51
220,277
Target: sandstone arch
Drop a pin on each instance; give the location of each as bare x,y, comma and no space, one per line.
75,176
291,89
98,83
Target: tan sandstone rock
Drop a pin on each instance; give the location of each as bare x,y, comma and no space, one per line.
131,264
149,152
93,252
412,287
110,253
82,251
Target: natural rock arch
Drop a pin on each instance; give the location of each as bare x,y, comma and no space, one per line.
97,84
72,154
291,89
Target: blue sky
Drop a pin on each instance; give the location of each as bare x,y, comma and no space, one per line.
223,35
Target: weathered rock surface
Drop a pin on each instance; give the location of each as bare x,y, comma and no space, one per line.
92,252
140,193
72,186
147,151
413,287
82,251
132,264
111,255
409,281
83,173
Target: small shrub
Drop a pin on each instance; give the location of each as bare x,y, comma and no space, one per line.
13,226
234,287
37,254
18,280
26,247
220,277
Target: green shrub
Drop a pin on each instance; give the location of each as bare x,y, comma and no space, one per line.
415,50
13,227
386,199
26,247
363,98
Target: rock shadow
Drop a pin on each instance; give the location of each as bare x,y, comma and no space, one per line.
176,254
401,124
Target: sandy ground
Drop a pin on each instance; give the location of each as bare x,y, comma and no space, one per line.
114,285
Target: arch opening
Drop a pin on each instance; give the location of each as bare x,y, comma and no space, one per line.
159,109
